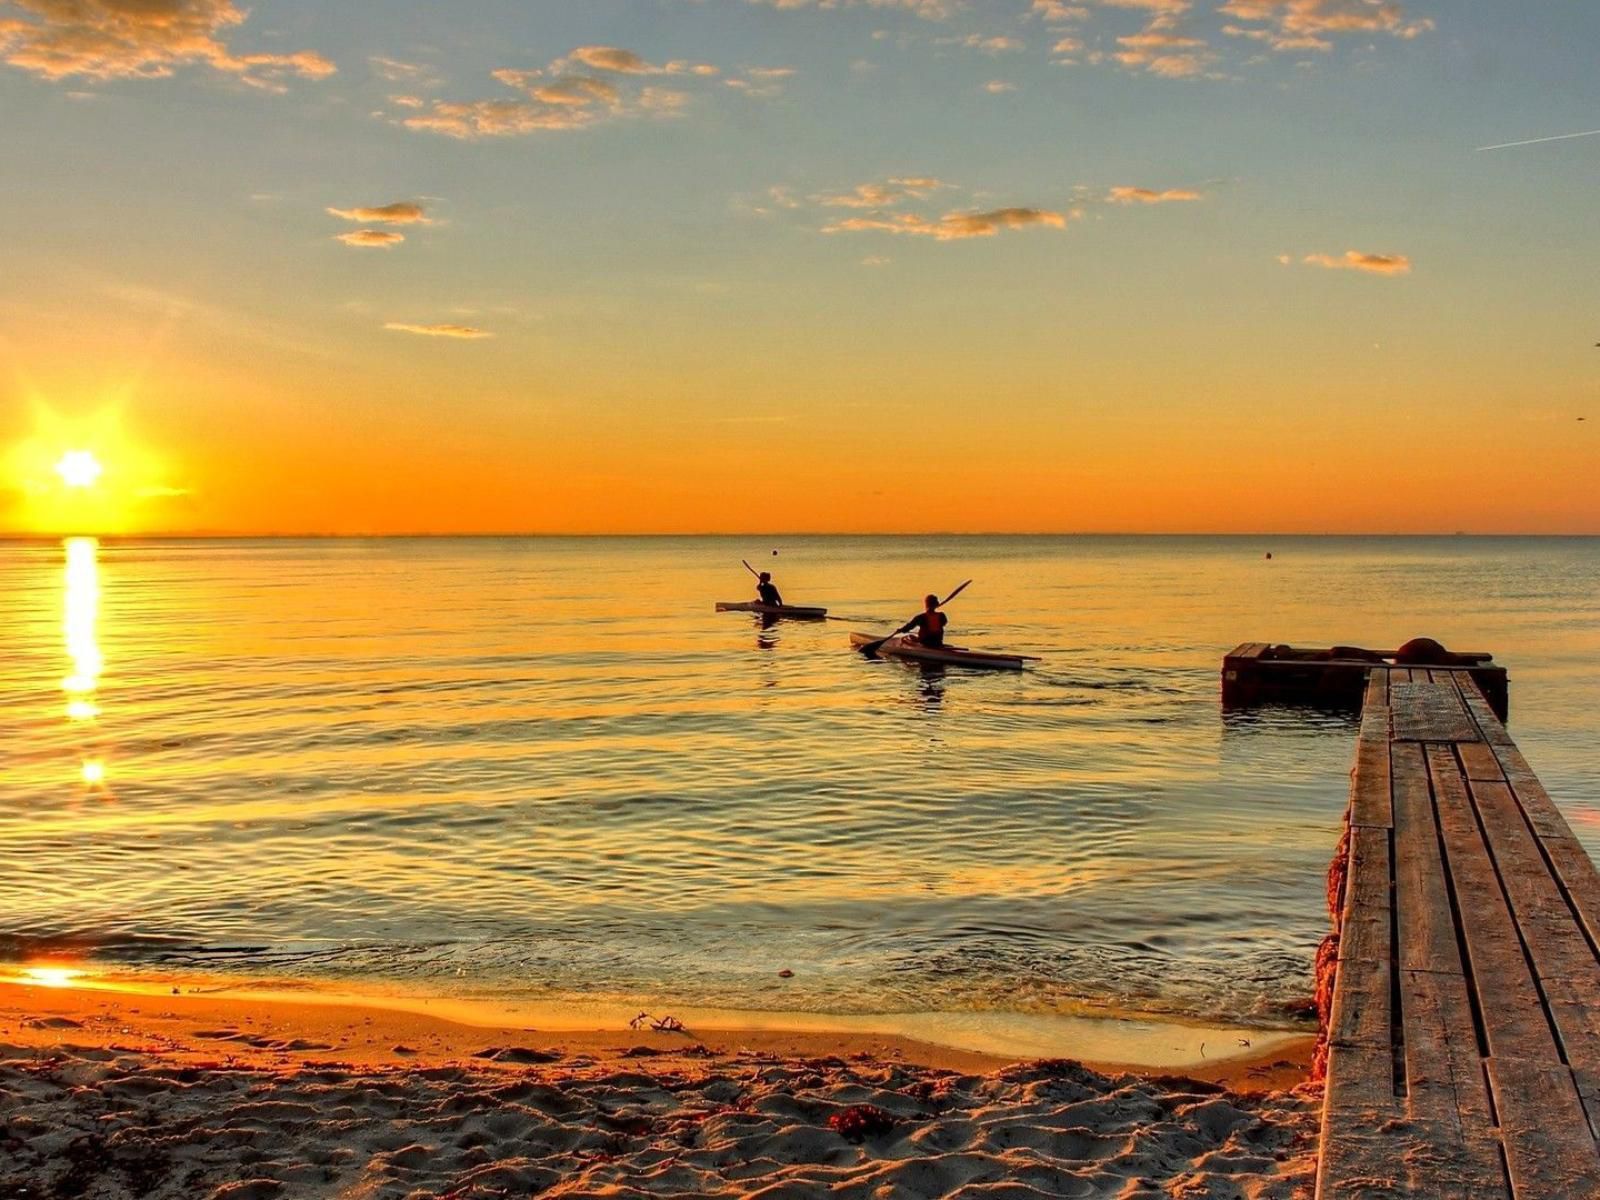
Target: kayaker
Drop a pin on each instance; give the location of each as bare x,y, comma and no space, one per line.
929,624
767,590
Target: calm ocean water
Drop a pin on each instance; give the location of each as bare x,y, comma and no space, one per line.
545,768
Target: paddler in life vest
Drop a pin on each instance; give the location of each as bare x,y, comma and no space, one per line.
767,590
929,624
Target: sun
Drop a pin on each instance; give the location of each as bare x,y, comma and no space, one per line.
79,468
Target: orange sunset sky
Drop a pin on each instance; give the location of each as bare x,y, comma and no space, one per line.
735,265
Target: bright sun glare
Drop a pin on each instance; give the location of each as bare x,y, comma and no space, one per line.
79,468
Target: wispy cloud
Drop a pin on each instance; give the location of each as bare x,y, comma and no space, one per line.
380,239
584,87
933,10
882,195
955,226
397,71
1317,19
465,332
1356,260
1144,195
403,212
141,39
626,62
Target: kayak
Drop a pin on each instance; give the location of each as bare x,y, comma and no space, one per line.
794,612
899,647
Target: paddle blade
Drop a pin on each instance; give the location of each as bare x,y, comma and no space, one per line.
751,569
870,649
955,593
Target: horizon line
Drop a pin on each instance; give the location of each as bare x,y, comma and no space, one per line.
480,535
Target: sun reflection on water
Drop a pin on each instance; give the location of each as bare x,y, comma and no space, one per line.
80,623
49,976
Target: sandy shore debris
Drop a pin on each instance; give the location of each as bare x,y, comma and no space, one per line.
107,1096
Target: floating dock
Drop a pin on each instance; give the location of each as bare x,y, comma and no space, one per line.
1463,1037
1261,673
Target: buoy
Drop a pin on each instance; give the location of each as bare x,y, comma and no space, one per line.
1269,553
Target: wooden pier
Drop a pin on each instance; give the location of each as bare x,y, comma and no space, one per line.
1464,1034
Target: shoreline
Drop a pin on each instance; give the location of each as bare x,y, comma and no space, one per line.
1131,1044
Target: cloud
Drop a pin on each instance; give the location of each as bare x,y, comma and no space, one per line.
882,195
954,226
1290,19
998,43
380,239
626,62
141,39
402,212
761,81
1058,11
997,86
932,10
1355,260
563,97
396,71
1142,195
465,332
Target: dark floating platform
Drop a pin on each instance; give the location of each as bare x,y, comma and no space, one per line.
1261,673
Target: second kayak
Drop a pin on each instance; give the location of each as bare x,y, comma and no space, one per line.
900,647
794,612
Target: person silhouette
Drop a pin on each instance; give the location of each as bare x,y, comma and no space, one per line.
929,624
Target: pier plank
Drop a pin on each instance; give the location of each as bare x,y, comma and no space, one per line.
1514,1021
1424,920
1549,1148
1430,712
1479,760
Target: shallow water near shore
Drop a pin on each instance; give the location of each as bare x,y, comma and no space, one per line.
544,771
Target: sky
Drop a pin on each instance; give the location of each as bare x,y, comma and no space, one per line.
781,265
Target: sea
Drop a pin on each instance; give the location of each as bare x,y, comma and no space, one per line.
544,770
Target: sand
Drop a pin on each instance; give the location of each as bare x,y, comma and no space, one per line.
107,1094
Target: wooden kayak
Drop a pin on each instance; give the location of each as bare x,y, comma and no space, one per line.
899,647
794,612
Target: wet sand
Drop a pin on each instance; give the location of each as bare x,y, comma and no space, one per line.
111,1094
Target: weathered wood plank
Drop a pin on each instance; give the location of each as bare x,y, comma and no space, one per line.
1556,942
1479,760
1356,1159
1543,814
1369,781
1377,690
1482,712
1508,999
1424,920
1549,1148
1430,712
1576,1014
1366,920
1444,1071
1578,876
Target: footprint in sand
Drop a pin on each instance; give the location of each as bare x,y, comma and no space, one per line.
517,1054
52,1023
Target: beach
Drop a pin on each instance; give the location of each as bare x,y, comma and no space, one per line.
110,1093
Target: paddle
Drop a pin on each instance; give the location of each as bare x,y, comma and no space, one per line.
751,569
871,648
